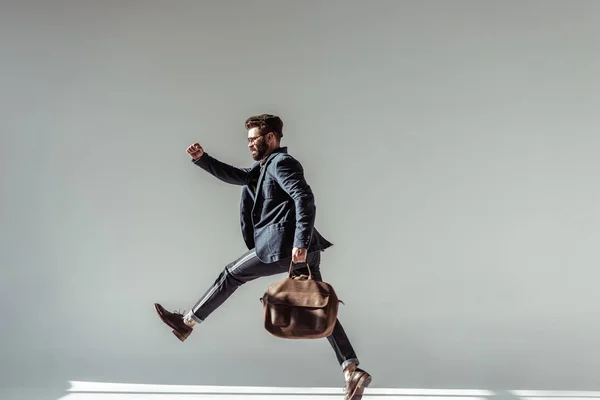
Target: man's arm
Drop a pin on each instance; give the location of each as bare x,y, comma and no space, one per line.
220,170
290,176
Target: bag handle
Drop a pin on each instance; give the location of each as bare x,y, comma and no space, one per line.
291,268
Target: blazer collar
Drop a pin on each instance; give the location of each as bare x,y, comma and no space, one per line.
273,153
268,158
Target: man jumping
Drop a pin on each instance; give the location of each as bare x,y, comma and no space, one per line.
277,220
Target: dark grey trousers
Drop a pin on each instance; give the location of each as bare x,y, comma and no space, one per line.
247,268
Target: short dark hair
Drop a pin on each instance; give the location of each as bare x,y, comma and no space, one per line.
266,123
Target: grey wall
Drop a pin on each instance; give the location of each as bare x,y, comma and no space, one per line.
452,147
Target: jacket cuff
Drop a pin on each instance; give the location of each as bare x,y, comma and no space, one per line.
198,160
302,243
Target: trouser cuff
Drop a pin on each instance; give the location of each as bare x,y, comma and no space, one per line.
191,316
349,362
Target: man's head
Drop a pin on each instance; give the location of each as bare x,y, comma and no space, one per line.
264,134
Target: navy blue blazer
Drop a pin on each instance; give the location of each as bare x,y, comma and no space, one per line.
277,207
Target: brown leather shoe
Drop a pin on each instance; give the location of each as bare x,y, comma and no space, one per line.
175,321
356,383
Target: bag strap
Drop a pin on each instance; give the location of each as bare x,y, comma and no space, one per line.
291,268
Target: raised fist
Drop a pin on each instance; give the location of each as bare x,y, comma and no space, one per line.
195,151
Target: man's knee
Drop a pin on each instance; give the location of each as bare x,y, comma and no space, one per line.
231,277
238,272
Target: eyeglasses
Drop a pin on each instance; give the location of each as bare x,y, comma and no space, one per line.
254,138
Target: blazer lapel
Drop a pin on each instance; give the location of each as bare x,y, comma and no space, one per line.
261,177
263,170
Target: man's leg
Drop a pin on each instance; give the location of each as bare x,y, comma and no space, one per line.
338,340
356,378
245,269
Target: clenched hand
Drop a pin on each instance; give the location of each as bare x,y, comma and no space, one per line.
298,255
195,151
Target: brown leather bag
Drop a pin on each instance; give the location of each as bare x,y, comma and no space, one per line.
300,307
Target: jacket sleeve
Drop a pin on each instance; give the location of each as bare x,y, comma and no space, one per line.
290,176
220,170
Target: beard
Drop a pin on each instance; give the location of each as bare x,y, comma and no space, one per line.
260,150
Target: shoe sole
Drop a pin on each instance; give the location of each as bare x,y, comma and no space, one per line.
180,336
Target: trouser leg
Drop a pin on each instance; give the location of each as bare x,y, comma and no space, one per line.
338,340
245,269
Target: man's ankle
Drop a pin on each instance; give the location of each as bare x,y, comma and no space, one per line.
188,320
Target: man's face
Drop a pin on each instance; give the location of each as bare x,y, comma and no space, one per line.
257,144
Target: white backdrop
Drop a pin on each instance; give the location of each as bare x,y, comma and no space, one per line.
452,148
